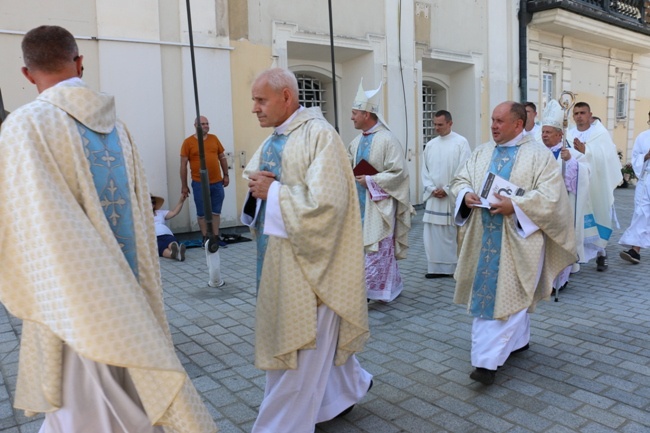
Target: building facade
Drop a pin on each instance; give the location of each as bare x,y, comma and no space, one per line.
464,56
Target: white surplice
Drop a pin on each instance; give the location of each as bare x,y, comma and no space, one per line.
638,234
331,389
441,158
605,176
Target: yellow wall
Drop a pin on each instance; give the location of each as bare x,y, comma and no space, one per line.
246,61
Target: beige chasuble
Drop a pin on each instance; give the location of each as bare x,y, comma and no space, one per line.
89,299
545,203
392,216
322,259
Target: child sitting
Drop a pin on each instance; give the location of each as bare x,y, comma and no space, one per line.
168,246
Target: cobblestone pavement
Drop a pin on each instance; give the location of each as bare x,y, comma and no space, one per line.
587,370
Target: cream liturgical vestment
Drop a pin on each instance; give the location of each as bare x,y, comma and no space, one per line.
577,183
390,217
520,283
605,176
91,299
638,234
321,259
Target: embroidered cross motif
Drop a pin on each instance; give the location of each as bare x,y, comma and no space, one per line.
483,299
110,199
109,172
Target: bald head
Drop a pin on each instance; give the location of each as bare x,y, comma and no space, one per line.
205,125
275,96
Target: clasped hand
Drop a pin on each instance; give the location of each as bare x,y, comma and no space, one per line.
259,184
439,193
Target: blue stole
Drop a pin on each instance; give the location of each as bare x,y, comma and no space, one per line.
556,153
270,160
111,181
363,152
487,269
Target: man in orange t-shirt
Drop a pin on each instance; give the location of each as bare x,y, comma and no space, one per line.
216,163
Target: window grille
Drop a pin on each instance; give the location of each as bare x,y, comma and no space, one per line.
311,92
428,110
621,100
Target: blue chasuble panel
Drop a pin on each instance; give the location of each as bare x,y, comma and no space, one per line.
487,270
270,160
111,180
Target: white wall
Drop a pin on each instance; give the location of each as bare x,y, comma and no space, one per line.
213,76
139,102
137,52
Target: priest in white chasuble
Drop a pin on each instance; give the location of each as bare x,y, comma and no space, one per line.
512,248
80,265
383,196
311,315
575,169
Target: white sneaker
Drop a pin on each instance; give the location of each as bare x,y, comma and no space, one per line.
174,248
219,284
181,253
575,268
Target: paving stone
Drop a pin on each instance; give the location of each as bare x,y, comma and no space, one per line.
587,369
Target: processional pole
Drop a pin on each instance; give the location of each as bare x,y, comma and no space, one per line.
567,101
213,244
336,109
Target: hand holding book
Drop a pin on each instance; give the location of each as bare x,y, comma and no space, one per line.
494,185
364,168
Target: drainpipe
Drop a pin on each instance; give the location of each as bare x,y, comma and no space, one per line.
524,19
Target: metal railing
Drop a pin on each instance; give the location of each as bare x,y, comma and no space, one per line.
634,14
634,9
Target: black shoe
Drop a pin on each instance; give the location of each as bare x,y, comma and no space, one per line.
348,410
601,263
430,276
631,256
345,412
521,349
483,375
561,288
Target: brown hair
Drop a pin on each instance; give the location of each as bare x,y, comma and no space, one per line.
518,111
49,48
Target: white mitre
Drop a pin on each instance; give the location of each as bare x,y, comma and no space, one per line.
553,115
369,101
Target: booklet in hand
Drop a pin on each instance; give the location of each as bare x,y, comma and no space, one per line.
364,168
495,184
